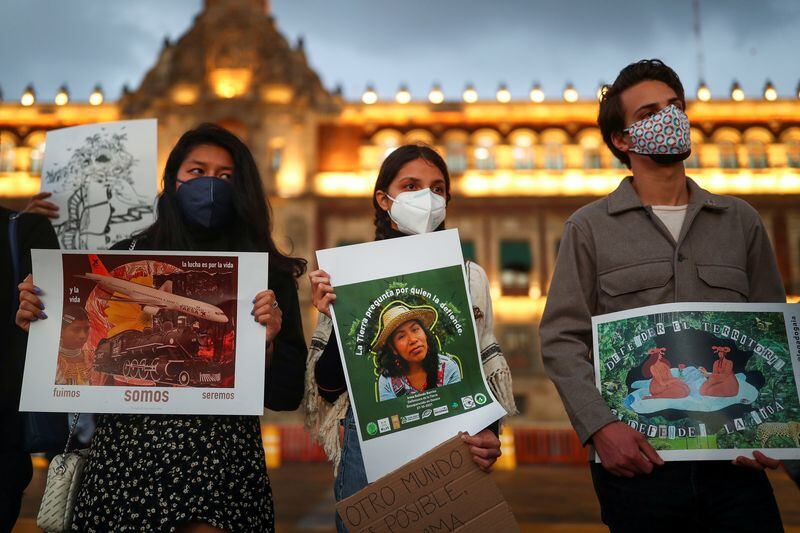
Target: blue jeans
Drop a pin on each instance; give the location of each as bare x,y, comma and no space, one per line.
691,496
352,476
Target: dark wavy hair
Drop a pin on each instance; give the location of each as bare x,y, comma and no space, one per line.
388,172
611,117
392,365
253,214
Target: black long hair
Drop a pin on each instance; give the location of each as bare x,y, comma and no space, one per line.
253,214
388,172
392,365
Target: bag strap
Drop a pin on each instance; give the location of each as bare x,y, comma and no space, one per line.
62,467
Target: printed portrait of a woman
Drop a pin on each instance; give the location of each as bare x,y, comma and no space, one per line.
407,353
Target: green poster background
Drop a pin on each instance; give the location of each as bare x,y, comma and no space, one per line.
778,429
442,289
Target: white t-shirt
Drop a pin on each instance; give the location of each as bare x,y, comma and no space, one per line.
672,216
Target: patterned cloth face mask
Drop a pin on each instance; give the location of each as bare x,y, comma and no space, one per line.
664,136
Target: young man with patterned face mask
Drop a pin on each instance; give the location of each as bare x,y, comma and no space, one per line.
658,238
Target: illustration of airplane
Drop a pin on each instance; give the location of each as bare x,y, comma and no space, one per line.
152,300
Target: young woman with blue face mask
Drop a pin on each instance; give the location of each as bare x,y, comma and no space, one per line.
411,195
198,473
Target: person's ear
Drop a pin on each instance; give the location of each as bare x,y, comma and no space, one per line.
621,141
383,200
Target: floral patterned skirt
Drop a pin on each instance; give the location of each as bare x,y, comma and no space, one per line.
158,472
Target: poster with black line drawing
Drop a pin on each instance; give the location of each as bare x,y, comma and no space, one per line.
407,337
103,179
704,381
146,332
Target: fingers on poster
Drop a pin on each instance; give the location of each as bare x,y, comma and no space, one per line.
134,329
704,381
103,179
410,346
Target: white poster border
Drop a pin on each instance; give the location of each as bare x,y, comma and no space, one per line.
789,311
395,257
38,389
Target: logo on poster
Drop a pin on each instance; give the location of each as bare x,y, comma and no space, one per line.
480,398
467,402
426,413
411,418
441,410
383,425
395,422
372,428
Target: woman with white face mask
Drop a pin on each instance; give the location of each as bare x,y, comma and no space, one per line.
410,197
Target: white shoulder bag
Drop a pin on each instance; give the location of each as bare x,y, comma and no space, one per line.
63,483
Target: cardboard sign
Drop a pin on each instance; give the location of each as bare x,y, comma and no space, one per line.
704,381
443,490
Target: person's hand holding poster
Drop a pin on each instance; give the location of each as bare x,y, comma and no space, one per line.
704,380
406,332
146,332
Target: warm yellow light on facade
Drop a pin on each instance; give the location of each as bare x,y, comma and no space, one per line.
28,97
503,94
570,94
184,94
402,96
436,96
703,92
537,94
470,95
370,96
96,98
230,82
737,94
62,97
481,153
770,94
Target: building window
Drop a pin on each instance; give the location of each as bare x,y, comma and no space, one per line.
757,155
516,261
727,155
523,157
468,251
456,156
553,156
37,157
793,154
591,158
520,347
275,159
693,161
7,150
484,158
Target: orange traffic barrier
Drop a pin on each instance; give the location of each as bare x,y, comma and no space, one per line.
508,456
271,440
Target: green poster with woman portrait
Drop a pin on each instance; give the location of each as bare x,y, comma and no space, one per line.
406,333
704,380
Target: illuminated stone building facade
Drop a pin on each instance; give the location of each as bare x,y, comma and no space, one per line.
519,167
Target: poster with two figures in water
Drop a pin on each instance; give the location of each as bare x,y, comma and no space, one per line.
704,380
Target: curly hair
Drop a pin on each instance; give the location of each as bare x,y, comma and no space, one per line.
611,117
392,365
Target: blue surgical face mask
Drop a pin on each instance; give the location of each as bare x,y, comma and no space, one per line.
206,201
